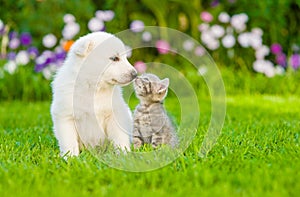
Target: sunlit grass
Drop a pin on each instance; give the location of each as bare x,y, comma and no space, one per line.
257,154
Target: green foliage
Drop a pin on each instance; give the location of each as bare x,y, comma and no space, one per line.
279,19
44,17
245,82
27,85
24,85
256,155
37,18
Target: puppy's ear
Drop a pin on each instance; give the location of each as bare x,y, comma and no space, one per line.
84,48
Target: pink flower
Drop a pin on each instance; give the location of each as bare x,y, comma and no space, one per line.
295,61
162,46
281,59
140,66
276,48
206,16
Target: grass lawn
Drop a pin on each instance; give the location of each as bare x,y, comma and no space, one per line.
257,154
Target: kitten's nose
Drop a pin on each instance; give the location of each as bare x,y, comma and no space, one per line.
133,74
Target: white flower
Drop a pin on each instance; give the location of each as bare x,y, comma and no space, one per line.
209,40
202,70
147,36
40,59
213,45
257,31
264,66
269,70
70,30
207,36
14,43
47,73
217,30
22,58
238,22
68,18
105,15
10,67
224,17
279,70
261,52
137,26
228,41
1,24
258,66
255,41
188,45
49,40
199,51
203,27
95,24
244,39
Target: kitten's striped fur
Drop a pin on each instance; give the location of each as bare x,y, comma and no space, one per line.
151,122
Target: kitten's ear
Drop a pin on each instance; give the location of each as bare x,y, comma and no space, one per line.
164,84
84,48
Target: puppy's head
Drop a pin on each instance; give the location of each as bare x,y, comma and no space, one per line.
118,71
105,52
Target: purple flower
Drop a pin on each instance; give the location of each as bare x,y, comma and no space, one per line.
60,55
12,35
295,61
46,58
214,3
33,52
281,59
11,56
25,39
162,46
276,48
39,67
2,31
206,16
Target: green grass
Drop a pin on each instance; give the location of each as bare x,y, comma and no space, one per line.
257,154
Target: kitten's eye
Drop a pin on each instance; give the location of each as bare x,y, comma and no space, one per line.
145,79
115,58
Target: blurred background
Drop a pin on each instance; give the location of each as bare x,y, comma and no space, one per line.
254,43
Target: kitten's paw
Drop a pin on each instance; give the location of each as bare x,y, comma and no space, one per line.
137,142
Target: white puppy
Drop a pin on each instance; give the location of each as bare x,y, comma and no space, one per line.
87,105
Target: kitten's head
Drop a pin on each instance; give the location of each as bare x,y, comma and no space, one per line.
150,88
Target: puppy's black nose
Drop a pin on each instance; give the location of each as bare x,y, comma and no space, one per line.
133,74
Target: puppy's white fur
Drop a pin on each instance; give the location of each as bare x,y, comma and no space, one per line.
95,67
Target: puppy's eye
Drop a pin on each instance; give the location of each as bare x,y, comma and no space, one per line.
115,58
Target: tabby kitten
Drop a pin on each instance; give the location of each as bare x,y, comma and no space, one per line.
151,122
